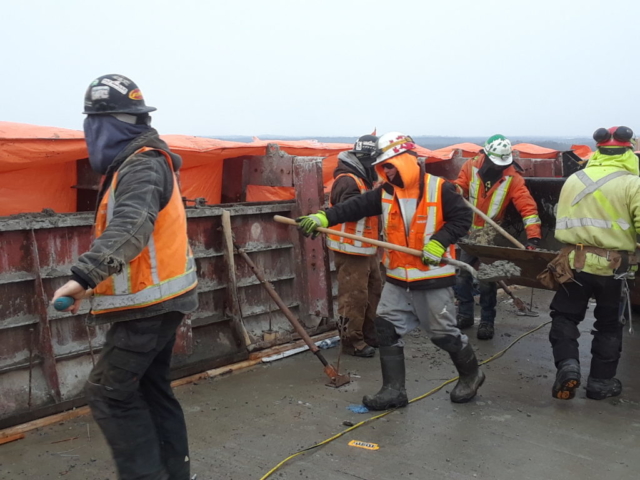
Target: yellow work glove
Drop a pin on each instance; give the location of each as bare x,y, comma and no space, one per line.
432,253
309,223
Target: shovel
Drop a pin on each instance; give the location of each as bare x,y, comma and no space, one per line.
485,273
522,308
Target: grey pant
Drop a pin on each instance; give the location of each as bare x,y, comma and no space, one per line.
434,309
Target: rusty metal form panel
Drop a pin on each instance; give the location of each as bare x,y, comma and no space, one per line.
314,265
45,356
275,169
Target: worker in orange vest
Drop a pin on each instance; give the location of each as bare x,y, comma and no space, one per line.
419,211
491,181
357,264
142,274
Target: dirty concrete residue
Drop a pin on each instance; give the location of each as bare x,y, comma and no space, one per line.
483,236
498,270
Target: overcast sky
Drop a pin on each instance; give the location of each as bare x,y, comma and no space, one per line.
320,68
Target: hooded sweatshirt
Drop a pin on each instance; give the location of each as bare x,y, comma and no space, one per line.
345,187
609,217
456,215
145,185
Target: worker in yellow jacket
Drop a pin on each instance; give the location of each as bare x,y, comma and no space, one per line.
598,219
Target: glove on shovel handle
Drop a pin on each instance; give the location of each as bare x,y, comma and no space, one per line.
378,243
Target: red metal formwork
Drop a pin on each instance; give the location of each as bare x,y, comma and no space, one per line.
45,356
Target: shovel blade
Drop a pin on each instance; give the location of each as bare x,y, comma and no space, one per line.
336,380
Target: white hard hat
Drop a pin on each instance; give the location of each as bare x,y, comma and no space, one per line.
498,148
391,144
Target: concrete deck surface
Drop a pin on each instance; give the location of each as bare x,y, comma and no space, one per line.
243,425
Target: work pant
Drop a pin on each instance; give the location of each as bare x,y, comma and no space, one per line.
434,310
359,287
568,308
464,292
130,396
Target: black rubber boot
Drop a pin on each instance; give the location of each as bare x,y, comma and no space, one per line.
464,321
471,377
485,331
366,352
599,389
393,393
567,379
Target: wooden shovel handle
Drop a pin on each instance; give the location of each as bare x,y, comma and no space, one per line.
378,243
491,222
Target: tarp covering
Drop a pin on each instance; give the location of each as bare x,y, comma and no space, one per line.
261,193
528,150
38,169
468,150
583,151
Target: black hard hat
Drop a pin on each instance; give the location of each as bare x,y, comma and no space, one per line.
114,94
366,144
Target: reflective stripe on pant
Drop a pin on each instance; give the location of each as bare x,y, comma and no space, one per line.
130,396
434,310
464,292
568,309
359,287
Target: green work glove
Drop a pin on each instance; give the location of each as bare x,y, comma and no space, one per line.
432,253
309,223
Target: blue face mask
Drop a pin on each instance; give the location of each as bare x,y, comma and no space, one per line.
106,137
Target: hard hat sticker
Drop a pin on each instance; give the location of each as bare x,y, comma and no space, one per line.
365,445
135,94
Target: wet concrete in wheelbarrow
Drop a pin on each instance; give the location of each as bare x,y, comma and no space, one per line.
242,425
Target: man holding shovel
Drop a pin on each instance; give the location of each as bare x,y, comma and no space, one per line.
490,181
419,211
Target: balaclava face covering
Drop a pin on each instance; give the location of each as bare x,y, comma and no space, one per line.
106,137
490,173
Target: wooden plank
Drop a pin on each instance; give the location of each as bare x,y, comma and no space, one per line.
45,343
12,438
233,303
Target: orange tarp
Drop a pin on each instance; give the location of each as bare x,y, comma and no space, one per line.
468,150
38,169
583,151
261,193
528,150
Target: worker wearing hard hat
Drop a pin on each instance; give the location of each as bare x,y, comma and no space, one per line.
143,277
491,181
357,263
598,219
424,212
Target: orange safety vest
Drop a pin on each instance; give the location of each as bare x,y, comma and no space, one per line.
425,222
163,270
365,227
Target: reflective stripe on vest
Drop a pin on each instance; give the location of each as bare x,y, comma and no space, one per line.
411,268
140,284
365,227
592,187
497,199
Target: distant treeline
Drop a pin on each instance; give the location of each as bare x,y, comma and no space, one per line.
435,142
